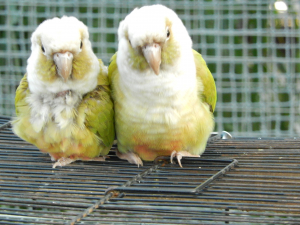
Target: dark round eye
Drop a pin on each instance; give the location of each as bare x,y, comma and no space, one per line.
168,33
43,49
81,45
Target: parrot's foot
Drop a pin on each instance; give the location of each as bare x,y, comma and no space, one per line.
179,156
63,162
130,157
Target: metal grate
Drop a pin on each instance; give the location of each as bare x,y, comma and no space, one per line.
262,189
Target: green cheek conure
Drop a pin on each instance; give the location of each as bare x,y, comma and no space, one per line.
164,94
63,103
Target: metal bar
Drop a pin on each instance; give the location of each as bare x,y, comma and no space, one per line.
180,190
110,193
194,208
111,210
216,176
6,125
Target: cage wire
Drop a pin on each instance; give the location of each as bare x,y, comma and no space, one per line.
251,47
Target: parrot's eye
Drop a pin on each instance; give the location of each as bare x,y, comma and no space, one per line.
81,45
168,33
43,49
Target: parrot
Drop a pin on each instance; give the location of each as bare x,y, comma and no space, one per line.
164,94
63,103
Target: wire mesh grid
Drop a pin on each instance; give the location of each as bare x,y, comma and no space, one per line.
252,48
263,188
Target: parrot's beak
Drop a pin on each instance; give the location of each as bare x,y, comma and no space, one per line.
63,62
152,53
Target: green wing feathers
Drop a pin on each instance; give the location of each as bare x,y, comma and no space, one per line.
21,93
209,94
113,67
98,108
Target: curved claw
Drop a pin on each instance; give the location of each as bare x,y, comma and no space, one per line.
63,162
179,156
130,157
173,154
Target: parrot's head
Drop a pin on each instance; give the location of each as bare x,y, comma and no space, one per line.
62,57
155,38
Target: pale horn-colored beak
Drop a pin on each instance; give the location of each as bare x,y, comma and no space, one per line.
63,63
152,53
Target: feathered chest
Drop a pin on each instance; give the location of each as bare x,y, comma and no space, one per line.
59,108
152,99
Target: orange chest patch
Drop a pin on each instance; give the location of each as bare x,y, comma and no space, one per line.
149,152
